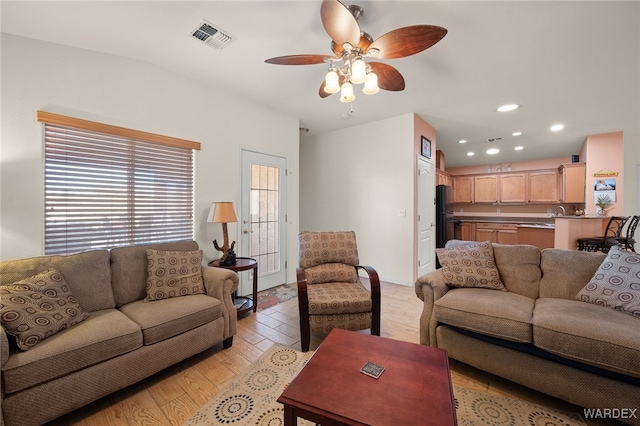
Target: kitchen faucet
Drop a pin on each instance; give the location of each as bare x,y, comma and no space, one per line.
564,212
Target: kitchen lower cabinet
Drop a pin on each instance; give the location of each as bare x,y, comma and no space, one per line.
540,237
501,233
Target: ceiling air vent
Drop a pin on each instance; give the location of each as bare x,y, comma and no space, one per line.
211,35
494,139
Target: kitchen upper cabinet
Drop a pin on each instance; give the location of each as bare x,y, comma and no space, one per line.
543,186
486,189
463,189
443,178
513,188
573,178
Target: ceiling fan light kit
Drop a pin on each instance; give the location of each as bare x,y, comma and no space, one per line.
351,46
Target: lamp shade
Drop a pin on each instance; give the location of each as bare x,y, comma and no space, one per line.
222,212
358,71
346,94
371,84
332,82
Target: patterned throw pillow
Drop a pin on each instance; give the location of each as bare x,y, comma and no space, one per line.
616,283
38,307
470,265
173,274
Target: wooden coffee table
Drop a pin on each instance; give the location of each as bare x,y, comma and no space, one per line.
415,387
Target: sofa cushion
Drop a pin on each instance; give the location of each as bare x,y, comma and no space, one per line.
102,336
88,275
317,248
616,283
173,273
331,272
566,272
338,298
38,307
470,265
162,319
588,333
129,269
504,315
519,268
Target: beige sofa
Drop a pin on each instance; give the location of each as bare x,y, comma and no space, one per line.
123,340
536,333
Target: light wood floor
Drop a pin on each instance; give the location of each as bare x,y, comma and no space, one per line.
173,395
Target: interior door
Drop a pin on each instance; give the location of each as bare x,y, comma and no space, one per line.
263,218
426,216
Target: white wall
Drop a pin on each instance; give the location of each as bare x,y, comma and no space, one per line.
359,179
124,92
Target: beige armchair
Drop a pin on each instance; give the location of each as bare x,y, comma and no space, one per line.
330,293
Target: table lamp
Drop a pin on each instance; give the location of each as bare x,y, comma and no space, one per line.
223,212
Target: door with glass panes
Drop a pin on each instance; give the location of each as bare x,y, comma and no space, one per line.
263,217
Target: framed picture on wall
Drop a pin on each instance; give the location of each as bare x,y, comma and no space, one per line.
426,147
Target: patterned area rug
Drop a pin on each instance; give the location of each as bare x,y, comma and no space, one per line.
251,399
271,297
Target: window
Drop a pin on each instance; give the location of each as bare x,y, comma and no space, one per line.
107,186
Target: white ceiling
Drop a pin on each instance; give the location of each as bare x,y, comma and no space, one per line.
574,62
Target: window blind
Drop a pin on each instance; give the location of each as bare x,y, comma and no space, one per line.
104,190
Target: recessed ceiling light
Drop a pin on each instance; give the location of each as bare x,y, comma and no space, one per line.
557,127
507,108
471,154
516,133
518,148
462,141
492,151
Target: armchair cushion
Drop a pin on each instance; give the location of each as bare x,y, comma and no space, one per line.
338,298
317,248
331,272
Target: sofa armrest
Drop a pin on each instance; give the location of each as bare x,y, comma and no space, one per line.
4,356
429,288
222,283
4,347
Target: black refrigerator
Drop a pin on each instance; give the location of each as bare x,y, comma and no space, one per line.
444,215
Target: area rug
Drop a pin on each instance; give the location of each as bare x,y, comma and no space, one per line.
251,399
272,296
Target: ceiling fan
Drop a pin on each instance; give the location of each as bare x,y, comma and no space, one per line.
350,45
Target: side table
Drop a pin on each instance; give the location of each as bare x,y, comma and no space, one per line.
244,304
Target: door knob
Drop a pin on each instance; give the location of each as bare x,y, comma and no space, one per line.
245,231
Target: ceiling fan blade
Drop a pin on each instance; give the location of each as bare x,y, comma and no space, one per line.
321,92
407,41
298,60
339,23
389,78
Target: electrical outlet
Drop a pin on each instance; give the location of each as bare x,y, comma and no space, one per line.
497,210
402,213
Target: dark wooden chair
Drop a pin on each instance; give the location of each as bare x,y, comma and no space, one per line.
610,238
330,293
628,241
